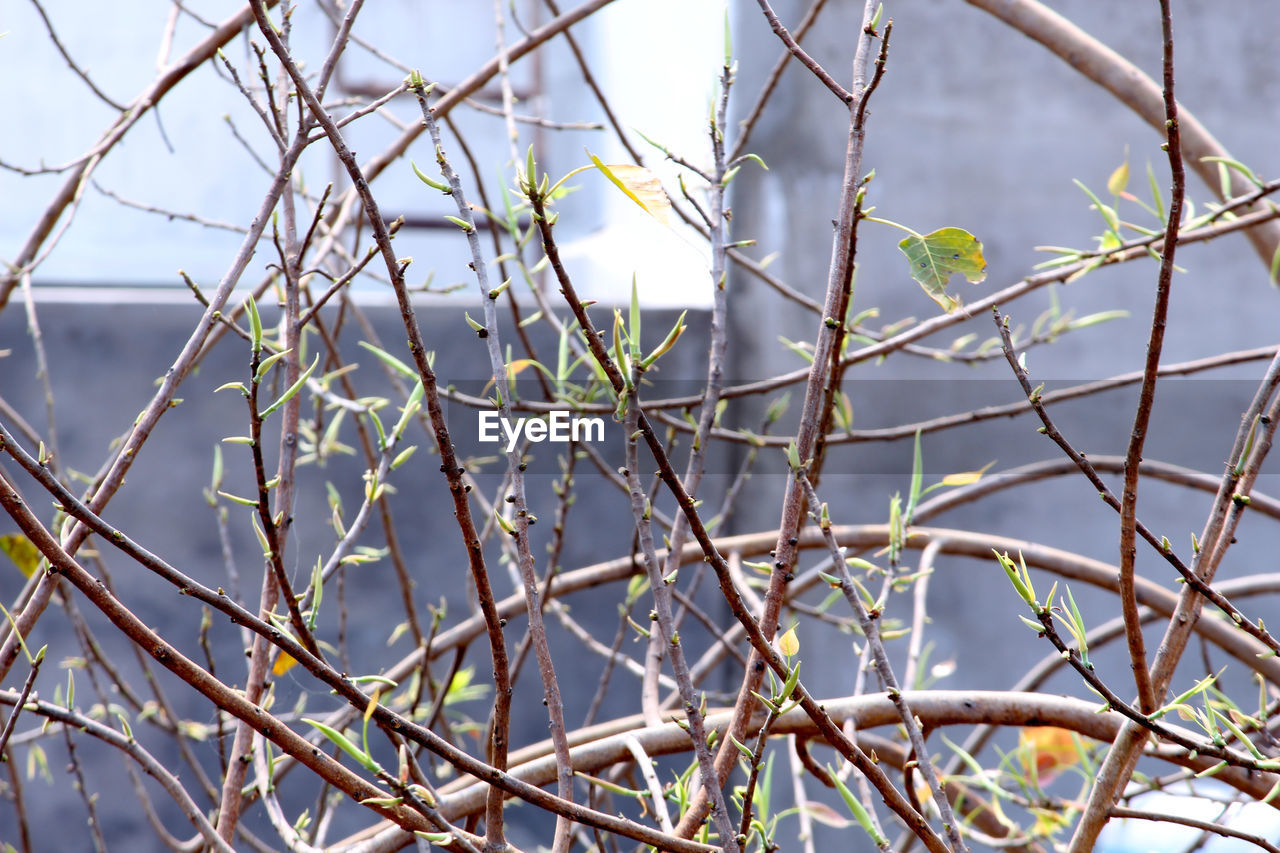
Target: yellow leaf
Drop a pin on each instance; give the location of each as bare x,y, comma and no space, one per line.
283,664
25,555
788,643
373,704
964,478
640,185
1048,822
1119,178
515,368
1049,749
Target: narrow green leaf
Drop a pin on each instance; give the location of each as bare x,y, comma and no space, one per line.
435,185
292,389
267,364
667,343
255,323
1078,627
1156,198
917,478
343,743
1012,571
728,40
1236,166
411,407
403,456
635,320
440,838
390,360
857,810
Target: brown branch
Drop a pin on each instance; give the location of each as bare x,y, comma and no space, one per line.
1161,546
802,55
129,746
1206,826
229,700
759,640
112,477
515,472
667,637
771,83
234,702
1147,698
869,622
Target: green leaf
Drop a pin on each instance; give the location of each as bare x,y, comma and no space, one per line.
390,360
936,256
345,745
857,810
317,586
667,343
1236,166
292,389
255,323
435,185
635,320
267,364
403,456
434,837
917,479
728,40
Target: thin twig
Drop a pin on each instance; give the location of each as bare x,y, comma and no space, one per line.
759,640
771,83
1193,579
805,59
696,466
1206,826
869,622
71,63
75,182
1147,696
515,471
110,480
670,638
134,750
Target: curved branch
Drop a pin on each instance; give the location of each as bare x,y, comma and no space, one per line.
934,708
1137,91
